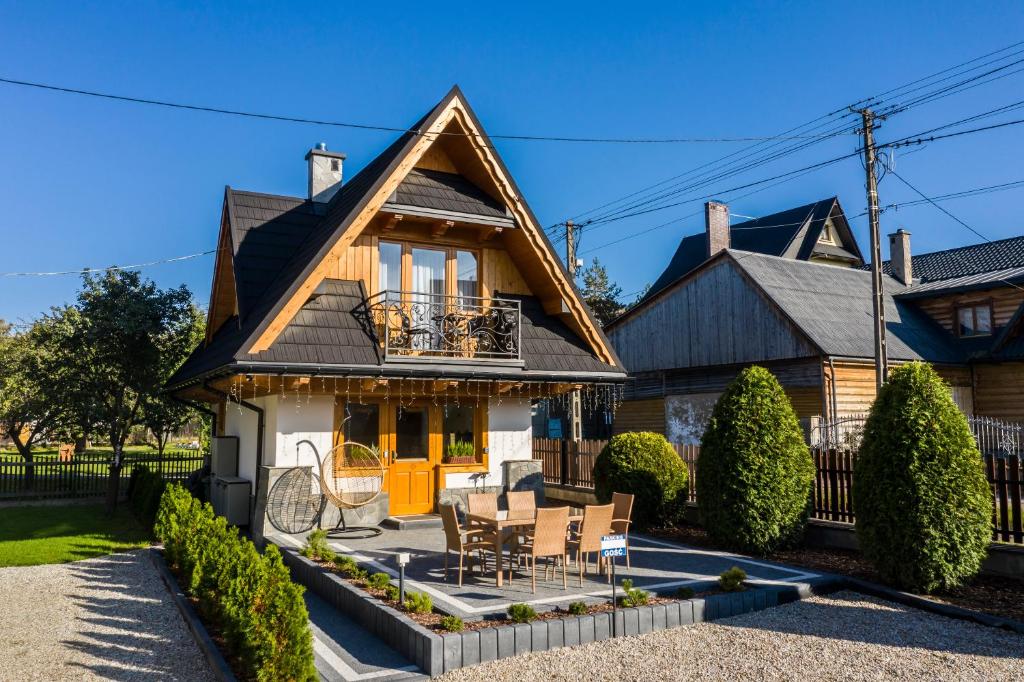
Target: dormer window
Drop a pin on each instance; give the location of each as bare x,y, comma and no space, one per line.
828,235
974,320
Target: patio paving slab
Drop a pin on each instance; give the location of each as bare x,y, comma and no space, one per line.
656,565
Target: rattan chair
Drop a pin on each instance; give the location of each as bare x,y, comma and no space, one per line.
524,501
456,542
483,503
548,540
623,503
597,521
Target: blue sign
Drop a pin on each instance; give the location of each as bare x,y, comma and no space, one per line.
554,428
613,545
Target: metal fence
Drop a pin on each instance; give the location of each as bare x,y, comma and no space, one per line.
834,447
87,475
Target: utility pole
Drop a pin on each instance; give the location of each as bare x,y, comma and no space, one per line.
877,299
575,402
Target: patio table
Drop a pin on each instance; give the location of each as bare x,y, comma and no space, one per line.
503,519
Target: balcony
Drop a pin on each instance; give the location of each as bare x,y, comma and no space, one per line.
413,325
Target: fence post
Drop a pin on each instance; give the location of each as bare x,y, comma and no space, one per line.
563,468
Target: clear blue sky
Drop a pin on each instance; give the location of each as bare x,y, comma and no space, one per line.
86,182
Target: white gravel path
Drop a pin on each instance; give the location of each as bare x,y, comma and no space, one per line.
105,618
845,636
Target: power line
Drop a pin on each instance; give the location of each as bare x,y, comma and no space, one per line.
135,266
361,126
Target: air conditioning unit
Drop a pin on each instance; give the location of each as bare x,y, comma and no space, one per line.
229,496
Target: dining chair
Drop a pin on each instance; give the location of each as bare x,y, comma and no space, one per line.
597,521
483,503
462,541
524,501
623,503
548,540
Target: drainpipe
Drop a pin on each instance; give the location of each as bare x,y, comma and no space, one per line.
260,423
832,373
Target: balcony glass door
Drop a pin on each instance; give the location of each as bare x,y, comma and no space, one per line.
427,296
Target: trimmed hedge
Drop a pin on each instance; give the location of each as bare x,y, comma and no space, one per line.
145,488
754,470
645,465
250,597
921,499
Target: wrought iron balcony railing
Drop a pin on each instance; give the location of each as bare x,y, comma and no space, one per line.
416,325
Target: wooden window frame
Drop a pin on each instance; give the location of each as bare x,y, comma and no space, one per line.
973,307
451,264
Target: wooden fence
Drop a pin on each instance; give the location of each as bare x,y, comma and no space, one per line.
86,476
571,464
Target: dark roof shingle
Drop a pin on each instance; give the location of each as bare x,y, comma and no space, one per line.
964,261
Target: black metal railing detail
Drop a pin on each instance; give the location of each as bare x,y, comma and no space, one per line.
411,324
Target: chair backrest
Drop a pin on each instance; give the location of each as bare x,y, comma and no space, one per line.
482,503
549,532
597,521
452,532
521,501
623,503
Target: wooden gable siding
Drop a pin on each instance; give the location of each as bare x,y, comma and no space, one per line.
999,390
360,261
1004,301
715,318
640,415
855,384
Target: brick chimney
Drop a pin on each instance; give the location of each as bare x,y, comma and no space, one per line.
899,256
716,223
324,172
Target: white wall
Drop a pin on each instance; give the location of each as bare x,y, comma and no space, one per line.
295,421
510,436
242,422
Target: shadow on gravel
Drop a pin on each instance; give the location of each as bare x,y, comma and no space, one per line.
142,648
890,624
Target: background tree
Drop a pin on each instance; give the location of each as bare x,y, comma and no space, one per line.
128,328
30,409
600,293
162,414
754,469
921,499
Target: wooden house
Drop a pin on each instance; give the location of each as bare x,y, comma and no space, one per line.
420,300
810,323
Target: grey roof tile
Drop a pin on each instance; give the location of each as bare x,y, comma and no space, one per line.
1003,254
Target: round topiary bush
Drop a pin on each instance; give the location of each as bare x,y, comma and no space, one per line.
754,471
645,465
920,494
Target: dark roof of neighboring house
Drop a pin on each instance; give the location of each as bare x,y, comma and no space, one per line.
1003,254
793,233
449,192
832,307
334,328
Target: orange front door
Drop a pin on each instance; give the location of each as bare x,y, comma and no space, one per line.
413,454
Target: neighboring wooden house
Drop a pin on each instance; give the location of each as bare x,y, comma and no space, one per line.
419,298
811,324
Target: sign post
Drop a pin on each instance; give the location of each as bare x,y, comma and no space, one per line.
613,546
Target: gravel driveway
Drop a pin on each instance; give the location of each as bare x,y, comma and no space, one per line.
104,618
845,636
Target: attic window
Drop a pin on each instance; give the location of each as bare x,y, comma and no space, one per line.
827,233
974,320
335,165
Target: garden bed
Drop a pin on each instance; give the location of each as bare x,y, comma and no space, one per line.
997,596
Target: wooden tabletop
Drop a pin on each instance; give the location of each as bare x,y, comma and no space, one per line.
509,519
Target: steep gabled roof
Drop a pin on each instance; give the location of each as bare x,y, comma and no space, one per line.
832,307
793,233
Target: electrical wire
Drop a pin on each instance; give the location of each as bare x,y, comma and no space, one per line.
135,266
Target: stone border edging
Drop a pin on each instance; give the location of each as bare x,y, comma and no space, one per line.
947,610
436,654
218,664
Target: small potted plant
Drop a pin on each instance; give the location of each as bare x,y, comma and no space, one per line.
459,452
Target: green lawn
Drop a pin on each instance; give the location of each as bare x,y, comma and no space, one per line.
58,534
41,454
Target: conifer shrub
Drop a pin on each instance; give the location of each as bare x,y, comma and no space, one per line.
452,624
921,498
145,487
379,581
578,608
418,602
731,580
645,465
634,596
521,613
250,596
754,469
